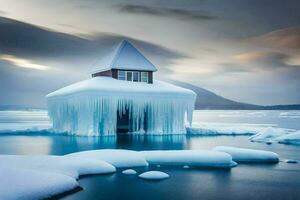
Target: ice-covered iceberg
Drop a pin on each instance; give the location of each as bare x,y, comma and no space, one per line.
249,155
91,107
291,138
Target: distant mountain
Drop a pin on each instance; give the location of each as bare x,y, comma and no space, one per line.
205,100
209,100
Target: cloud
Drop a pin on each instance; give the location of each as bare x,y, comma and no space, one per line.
282,38
38,44
2,13
23,62
166,12
267,61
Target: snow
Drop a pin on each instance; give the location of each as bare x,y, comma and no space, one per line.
291,138
58,164
129,172
16,184
154,175
90,107
265,135
126,57
199,158
50,175
116,157
248,155
38,177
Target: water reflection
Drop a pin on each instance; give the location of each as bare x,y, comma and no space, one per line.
62,144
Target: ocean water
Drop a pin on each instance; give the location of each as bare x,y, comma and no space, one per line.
246,181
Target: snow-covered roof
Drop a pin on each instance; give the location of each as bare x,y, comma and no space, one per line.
107,86
126,57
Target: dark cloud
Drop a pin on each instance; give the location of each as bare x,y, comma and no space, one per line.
37,43
167,12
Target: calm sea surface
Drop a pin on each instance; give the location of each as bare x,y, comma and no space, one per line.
246,181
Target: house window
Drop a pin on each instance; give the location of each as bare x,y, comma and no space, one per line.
144,77
121,75
128,76
135,77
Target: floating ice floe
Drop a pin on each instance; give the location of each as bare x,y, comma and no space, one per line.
270,135
291,161
199,158
291,138
154,175
116,157
39,177
248,155
266,135
51,175
16,184
212,131
129,172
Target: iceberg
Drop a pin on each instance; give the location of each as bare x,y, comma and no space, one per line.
91,107
154,175
266,135
291,138
249,155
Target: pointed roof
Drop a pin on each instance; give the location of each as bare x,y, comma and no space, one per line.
126,57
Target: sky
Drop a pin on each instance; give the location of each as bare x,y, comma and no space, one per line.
244,50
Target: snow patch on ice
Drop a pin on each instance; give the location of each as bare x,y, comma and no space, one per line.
16,184
154,175
58,164
248,155
116,157
199,158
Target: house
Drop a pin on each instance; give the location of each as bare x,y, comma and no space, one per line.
121,96
126,63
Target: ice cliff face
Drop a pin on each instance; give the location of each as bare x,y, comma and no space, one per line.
91,107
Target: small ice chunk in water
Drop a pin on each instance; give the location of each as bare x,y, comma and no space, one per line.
129,172
154,175
291,161
186,166
248,155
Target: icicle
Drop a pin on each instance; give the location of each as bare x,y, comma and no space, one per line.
96,114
